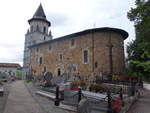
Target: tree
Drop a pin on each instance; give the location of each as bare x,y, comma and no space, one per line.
139,49
19,74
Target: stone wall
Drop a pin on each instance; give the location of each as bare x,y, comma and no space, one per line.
98,54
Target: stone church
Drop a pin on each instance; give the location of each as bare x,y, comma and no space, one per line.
88,53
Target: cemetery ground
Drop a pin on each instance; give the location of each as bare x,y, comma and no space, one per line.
21,98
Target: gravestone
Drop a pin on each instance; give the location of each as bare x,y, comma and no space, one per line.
48,76
70,97
71,68
57,80
84,106
64,76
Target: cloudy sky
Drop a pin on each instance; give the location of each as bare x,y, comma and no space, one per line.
66,16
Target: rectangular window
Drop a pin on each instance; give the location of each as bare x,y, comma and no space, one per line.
85,56
40,60
50,47
72,43
44,38
37,61
96,64
37,49
44,29
60,57
44,69
31,29
59,71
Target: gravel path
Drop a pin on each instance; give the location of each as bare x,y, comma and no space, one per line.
20,100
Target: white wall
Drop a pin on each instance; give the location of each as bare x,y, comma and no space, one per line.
8,70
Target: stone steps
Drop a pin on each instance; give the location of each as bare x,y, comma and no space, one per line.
45,94
68,107
1,91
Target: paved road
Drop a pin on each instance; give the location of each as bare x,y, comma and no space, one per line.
20,100
147,86
3,98
143,104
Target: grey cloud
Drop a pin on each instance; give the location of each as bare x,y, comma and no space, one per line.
57,19
14,58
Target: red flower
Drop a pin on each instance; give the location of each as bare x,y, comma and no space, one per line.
116,105
74,88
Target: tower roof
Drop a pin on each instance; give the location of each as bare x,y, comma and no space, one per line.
39,15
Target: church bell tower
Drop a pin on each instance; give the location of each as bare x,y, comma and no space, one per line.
37,33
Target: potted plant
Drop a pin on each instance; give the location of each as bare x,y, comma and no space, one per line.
74,85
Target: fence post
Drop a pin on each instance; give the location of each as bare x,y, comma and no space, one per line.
141,82
109,102
79,94
132,88
57,96
121,96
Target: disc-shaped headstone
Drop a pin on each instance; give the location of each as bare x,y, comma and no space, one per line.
48,76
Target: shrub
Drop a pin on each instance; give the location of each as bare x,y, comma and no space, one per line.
95,87
98,87
48,84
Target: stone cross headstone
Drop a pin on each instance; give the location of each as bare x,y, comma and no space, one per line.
71,67
64,76
84,106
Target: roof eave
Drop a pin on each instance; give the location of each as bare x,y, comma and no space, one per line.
41,19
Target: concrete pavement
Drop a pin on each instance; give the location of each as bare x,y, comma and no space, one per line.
147,86
20,100
143,104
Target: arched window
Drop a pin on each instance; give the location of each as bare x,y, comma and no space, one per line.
44,30
44,38
37,28
72,42
40,60
59,71
85,56
44,69
60,57
96,64
31,28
